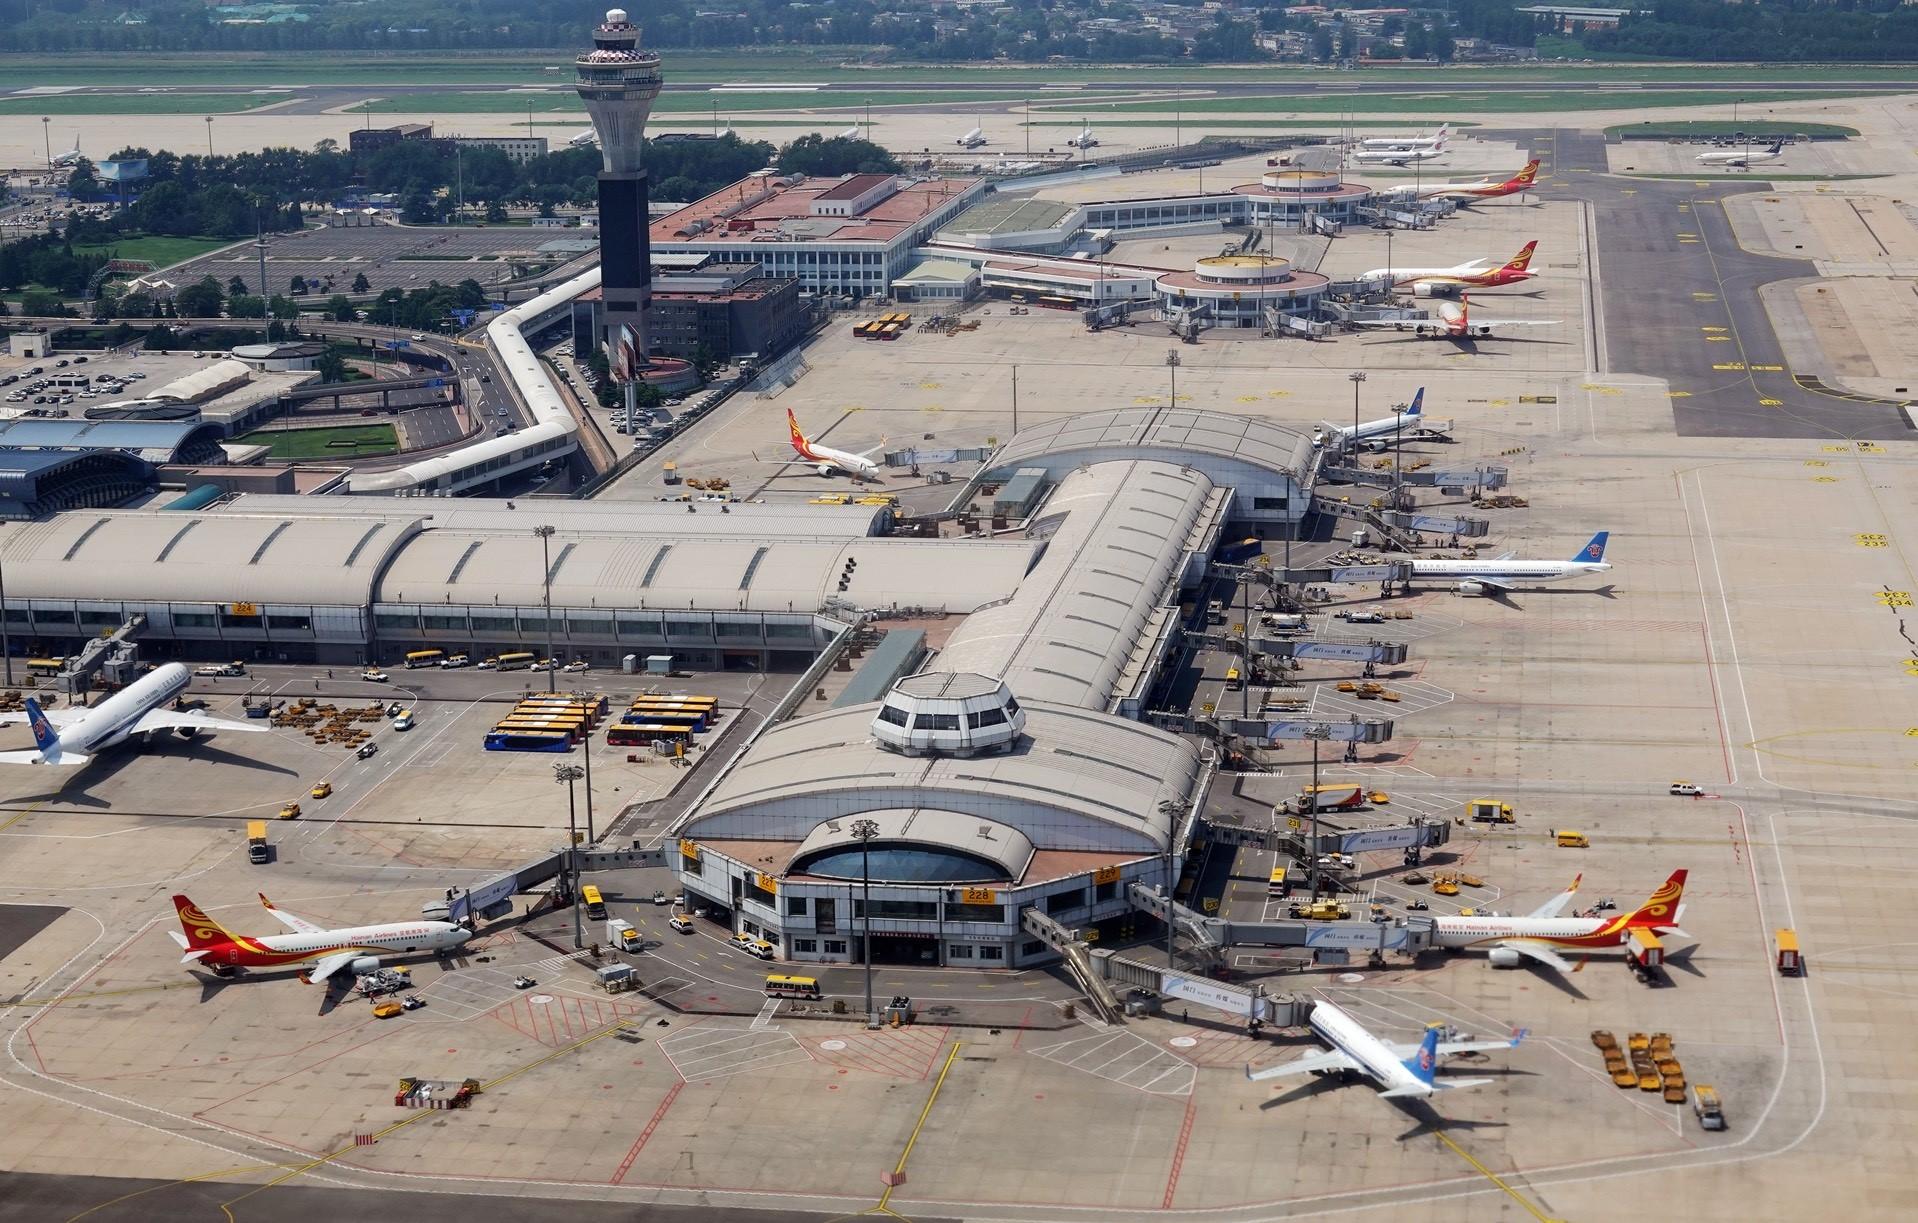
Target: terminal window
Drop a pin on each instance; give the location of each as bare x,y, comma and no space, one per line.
992,953
805,946
795,906
192,620
835,946
959,951
981,913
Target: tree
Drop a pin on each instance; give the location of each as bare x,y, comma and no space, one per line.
39,303
814,154
495,212
705,361
339,308
470,294
281,307
275,332
1322,45
246,305
83,183
134,305
161,339
361,284
331,366
297,286
201,299
235,285
420,208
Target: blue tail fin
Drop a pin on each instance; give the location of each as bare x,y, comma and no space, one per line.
1424,1063
1594,551
1418,403
42,729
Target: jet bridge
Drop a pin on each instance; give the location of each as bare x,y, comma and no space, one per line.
1483,478
1271,730
1378,653
1419,833
117,655
1215,937
1079,965
1393,524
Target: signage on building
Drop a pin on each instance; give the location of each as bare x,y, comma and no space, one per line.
1106,874
766,883
689,849
1205,993
978,896
243,609
975,938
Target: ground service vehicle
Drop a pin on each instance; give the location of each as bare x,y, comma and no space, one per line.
256,846
594,902
1276,885
620,933
1490,811
387,1009
1341,796
1705,1106
455,661
1321,910
782,986
516,661
424,658
1573,840
290,812
1685,789
682,922
1790,962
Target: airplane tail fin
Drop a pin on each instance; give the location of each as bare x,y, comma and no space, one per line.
1424,1063
1528,175
798,438
1523,258
44,736
201,934
1662,909
1594,550
1418,403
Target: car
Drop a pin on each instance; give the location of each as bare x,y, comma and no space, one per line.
395,710
404,722
1686,789
578,664
367,751
290,812
681,922
455,662
524,982
387,1009
659,897
374,675
544,664
1416,906
486,664
416,337
322,790
412,1002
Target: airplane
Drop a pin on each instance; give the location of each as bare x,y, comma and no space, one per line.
358,949
724,132
1537,936
1400,1070
1467,193
972,139
1475,274
1407,142
1503,573
825,459
70,736
588,139
1737,159
1395,157
1452,320
1085,139
71,157
851,133
1408,423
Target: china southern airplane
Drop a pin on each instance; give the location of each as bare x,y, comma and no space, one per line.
1739,159
70,736
1399,1070
1389,143
1503,573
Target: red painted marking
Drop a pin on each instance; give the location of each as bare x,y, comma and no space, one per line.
1178,1152
626,1165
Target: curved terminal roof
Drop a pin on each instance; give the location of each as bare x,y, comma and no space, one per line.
1078,780
155,441
1067,634
1004,850
686,519
198,558
1223,445
207,382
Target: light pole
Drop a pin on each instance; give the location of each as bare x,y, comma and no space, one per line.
1172,366
1317,734
46,135
1356,377
6,638
209,135
864,831
545,534
566,775
1173,810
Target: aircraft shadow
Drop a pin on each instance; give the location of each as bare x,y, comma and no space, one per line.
1558,981
1682,960
1305,1091
1431,1122
201,749
210,986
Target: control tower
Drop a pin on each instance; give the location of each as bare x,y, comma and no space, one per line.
618,82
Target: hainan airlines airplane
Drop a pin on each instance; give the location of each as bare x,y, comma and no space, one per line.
356,948
1401,1071
1468,193
71,736
1737,159
1504,573
1407,142
827,460
1542,933
1452,320
1476,274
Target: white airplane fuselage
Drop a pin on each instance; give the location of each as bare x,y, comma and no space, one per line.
1511,573
1348,1036
112,720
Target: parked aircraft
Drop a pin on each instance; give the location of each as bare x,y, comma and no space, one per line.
1467,193
972,139
1085,139
1541,934
1410,423
71,157
1452,320
1474,274
1399,1070
1504,573
359,949
827,460
1395,157
1736,159
1407,142
70,736
588,139
851,133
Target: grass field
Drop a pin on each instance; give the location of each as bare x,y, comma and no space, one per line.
1329,125
1446,103
1681,128
835,65
689,103
138,103
161,252
335,442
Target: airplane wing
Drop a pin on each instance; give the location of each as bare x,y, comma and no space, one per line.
866,454
1448,1047
327,966
166,719
33,757
1516,322
190,955
1537,951
1556,905
59,717
298,925
1317,1061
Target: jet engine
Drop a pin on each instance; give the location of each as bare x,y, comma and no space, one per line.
1471,588
1504,957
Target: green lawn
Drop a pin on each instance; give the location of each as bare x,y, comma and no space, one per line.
693,102
138,103
161,252
1435,104
1327,126
1682,128
353,441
